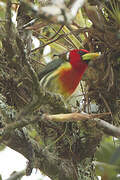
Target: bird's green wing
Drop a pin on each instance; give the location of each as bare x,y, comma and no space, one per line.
50,67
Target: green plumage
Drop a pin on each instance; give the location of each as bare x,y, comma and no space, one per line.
53,65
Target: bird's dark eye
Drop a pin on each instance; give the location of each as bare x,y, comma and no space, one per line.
81,52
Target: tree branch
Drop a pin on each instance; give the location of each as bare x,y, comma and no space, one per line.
106,127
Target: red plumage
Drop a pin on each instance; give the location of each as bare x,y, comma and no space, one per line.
70,78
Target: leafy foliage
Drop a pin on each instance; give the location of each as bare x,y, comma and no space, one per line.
108,159
93,25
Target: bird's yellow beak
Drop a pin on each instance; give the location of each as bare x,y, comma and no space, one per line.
90,56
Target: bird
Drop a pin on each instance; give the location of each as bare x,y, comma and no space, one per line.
63,76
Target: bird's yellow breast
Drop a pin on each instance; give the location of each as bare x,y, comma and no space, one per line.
52,82
63,80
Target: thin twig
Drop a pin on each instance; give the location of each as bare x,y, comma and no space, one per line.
72,117
56,33
54,40
106,104
61,36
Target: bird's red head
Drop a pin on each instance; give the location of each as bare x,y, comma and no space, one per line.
75,58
